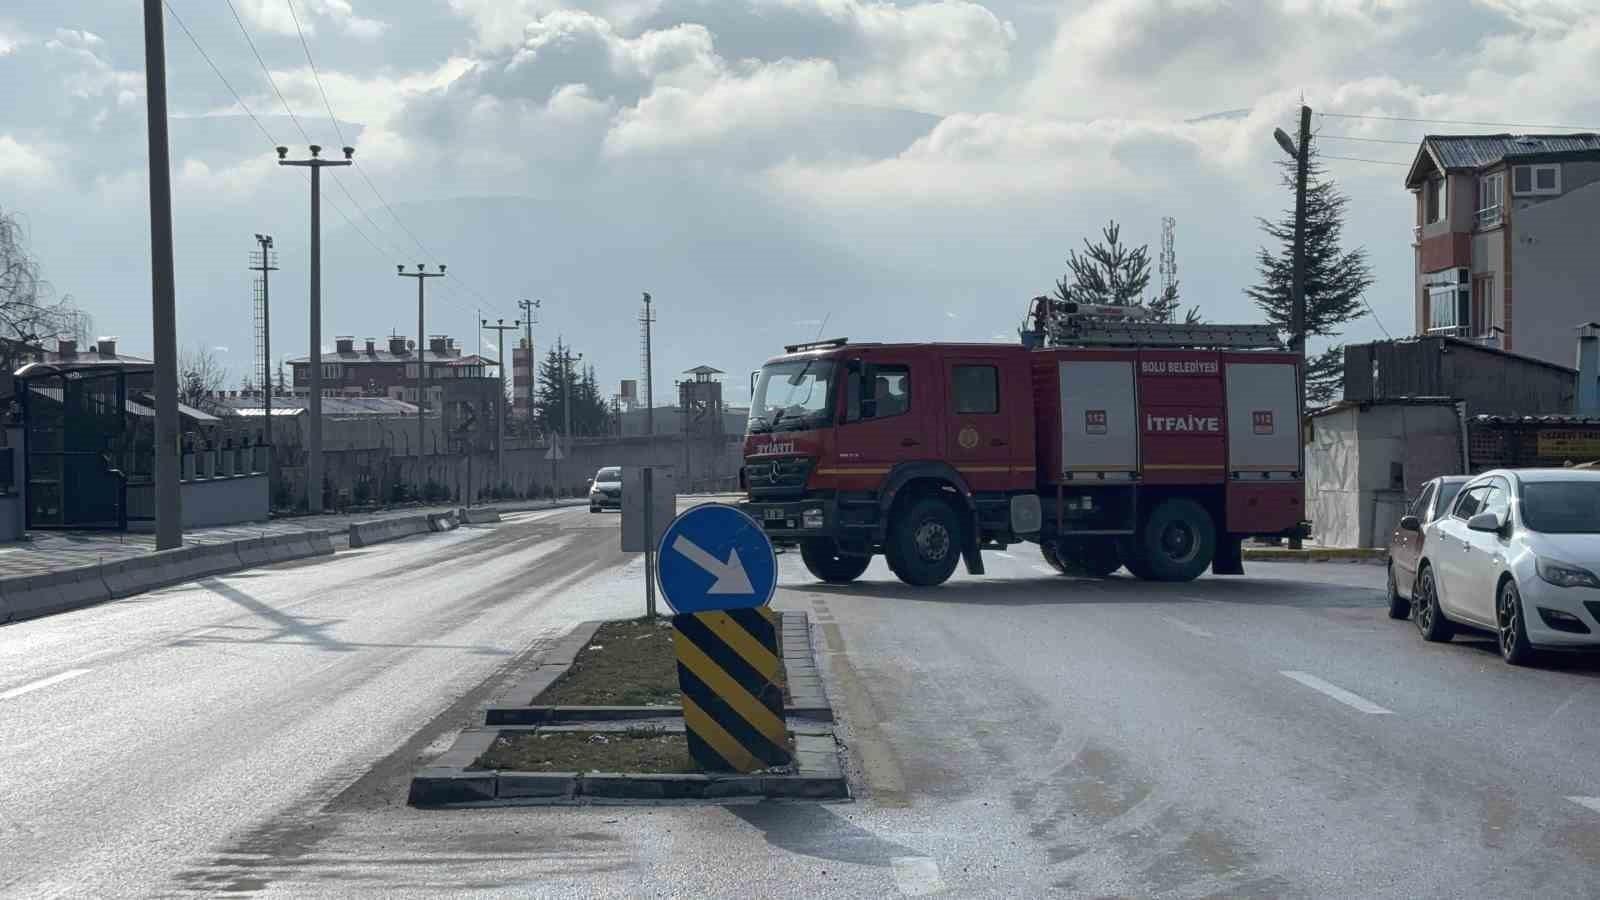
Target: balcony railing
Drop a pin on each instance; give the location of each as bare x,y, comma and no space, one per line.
1488,217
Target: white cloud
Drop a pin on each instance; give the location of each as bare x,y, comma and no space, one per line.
22,163
275,17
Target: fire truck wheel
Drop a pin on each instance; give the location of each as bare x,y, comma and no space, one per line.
1092,557
822,559
924,545
1047,549
1178,541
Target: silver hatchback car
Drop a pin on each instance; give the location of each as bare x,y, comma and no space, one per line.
1516,555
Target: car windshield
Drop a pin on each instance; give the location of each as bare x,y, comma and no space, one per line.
792,395
1447,495
1561,507
612,474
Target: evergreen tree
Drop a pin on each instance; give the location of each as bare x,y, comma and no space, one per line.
555,376
1165,308
1108,273
1335,278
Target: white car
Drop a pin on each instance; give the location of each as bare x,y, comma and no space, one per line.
1516,555
605,491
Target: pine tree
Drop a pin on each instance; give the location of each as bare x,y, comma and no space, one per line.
555,375
1335,278
1108,273
1165,307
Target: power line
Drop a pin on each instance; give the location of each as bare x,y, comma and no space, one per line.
220,77
1378,118
1367,140
328,105
1381,162
1375,318
268,72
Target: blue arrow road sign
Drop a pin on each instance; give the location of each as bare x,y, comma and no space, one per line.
716,557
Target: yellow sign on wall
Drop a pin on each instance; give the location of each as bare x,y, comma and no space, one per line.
1577,446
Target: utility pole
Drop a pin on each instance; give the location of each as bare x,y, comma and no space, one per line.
530,309
500,328
263,263
645,320
163,303
564,353
314,392
1301,151
422,276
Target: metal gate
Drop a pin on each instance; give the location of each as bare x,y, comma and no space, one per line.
77,437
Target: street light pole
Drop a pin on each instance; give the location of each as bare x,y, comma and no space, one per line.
422,276
1301,151
500,328
264,265
314,407
163,303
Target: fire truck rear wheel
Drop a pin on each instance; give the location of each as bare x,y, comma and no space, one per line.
822,559
1177,541
924,545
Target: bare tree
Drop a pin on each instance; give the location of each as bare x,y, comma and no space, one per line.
199,374
30,310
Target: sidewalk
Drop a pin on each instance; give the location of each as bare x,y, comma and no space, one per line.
53,551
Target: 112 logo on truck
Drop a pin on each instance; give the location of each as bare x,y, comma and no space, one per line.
1262,420
1095,421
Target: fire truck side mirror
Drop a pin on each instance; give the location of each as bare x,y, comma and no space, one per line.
852,391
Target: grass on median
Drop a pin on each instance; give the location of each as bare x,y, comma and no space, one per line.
626,663
635,750
629,663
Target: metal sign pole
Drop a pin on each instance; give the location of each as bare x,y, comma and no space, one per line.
649,547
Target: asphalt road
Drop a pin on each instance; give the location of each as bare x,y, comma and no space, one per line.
1015,735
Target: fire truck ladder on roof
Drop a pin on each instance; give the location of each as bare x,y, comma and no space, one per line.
1074,330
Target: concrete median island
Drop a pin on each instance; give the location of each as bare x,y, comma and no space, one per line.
599,717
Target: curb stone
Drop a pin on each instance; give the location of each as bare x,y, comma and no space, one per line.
819,773
1322,554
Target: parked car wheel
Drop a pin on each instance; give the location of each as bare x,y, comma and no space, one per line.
822,559
1425,611
1513,629
925,544
1399,607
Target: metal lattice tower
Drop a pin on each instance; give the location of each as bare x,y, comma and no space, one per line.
262,261
1168,269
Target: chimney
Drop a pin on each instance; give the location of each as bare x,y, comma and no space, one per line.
372,347
344,344
1589,369
438,344
108,346
397,344
67,347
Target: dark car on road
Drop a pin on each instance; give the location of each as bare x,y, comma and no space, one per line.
1405,545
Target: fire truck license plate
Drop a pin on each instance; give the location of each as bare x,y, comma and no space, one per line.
772,514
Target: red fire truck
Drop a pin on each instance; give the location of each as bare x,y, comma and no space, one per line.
1110,442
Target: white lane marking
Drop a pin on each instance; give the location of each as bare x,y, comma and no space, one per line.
1338,693
42,683
916,876
1185,626
1002,554
1592,803
1046,570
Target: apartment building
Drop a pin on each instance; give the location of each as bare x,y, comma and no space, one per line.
1505,239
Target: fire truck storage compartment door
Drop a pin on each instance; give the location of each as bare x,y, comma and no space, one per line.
1263,418
1099,416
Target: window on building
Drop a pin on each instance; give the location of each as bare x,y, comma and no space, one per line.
1482,304
1435,200
411,371
1449,301
1535,180
331,370
1491,195
976,389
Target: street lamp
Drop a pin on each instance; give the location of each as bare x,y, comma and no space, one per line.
1299,151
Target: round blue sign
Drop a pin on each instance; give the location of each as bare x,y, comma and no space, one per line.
715,557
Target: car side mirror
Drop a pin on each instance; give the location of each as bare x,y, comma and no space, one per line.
1486,521
1410,523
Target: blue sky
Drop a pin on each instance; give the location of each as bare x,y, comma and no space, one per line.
909,170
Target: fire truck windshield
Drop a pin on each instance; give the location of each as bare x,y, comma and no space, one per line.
792,396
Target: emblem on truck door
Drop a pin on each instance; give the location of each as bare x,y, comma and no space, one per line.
968,438
1262,419
1095,421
